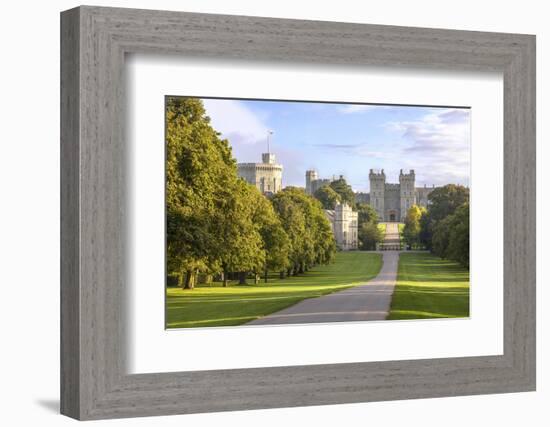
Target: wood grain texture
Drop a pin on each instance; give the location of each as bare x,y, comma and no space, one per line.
70,219
94,238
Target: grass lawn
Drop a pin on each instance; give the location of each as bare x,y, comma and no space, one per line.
429,287
214,305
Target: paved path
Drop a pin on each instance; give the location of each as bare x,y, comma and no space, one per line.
392,232
369,301
391,238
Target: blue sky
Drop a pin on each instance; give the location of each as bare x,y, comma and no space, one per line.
349,139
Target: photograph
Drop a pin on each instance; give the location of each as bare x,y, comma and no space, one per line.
298,212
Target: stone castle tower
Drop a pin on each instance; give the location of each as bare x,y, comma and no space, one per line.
313,182
311,177
391,201
407,191
377,192
266,176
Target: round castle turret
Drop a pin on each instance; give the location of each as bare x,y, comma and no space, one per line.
266,176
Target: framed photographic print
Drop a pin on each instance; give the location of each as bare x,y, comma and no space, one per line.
282,245
292,213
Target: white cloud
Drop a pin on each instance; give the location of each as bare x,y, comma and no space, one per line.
439,146
361,108
361,150
247,135
235,121
356,108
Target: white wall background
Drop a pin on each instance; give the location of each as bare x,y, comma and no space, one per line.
29,212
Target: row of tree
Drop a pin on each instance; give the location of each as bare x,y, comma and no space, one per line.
444,227
219,224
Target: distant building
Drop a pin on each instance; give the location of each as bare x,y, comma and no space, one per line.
391,201
422,194
266,176
313,183
362,197
344,226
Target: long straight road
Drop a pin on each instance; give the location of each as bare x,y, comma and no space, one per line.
368,301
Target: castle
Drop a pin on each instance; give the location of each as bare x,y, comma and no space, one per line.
313,183
344,226
266,176
391,201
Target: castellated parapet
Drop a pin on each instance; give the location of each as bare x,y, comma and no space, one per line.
407,192
313,182
266,176
391,201
377,181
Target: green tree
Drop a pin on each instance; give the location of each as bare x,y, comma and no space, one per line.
440,237
239,244
459,237
366,213
451,236
443,202
344,190
197,163
327,196
411,231
276,243
209,209
308,229
370,235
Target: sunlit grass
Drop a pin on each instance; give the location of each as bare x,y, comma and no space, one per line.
430,287
237,304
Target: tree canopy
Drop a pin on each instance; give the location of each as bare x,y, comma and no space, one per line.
217,223
366,213
368,233
344,190
310,233
445,226
451,236
411,231
327,196
445,200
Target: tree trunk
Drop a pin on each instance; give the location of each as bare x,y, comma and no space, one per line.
265,275
224,278
282,274
189,280
242,277
181,279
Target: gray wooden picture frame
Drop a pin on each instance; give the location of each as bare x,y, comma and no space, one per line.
94,41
